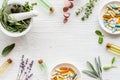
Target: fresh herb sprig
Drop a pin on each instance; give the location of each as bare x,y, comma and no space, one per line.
4,5
111,65
28,7
94,71
100,39
86,9
8,49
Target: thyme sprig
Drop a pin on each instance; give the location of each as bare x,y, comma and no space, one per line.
94,71
86,9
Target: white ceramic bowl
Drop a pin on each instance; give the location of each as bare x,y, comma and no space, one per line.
69,66
16,34
102,10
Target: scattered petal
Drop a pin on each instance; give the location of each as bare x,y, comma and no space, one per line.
67,3
66,15
65,9
65,20
71,6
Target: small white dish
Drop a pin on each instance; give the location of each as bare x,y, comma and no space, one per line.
68,66
16,34
102,10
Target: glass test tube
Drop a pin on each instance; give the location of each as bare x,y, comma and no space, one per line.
42,66
46,5
113,48
5,65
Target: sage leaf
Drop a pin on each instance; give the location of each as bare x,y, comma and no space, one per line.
98,32
91,67
99,62
113,60
94,71
100,40
8,49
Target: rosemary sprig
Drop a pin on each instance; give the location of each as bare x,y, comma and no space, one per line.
94,71
87,9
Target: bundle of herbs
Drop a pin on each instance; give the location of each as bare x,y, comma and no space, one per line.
94,71
11,24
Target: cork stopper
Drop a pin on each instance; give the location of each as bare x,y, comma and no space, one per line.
52,9
108,45
9,60
40,61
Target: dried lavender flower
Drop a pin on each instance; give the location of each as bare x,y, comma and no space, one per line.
25,68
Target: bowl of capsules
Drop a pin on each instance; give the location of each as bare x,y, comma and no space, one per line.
109,17
65,71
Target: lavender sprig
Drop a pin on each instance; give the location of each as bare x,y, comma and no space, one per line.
25,68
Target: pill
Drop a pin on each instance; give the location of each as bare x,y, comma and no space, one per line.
105,22
118,20
113,6
114,29
117,25
118,29
110,25
108,6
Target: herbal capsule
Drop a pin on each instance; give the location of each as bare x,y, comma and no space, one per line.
5,66
117,25
46,5
113,48
113,6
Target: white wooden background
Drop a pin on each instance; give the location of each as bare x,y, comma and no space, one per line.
55,42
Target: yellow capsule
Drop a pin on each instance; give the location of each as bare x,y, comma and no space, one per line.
5,65
113,48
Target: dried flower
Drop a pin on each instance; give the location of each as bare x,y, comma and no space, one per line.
25,67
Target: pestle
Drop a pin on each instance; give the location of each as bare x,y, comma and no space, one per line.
24,15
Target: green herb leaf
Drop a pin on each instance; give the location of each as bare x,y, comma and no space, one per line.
8,49
107,67
98,32
92,72
91,67
99,62
113,60
111,66
100,40
89,73
5,2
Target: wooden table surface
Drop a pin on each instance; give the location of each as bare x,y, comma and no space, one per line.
49,39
